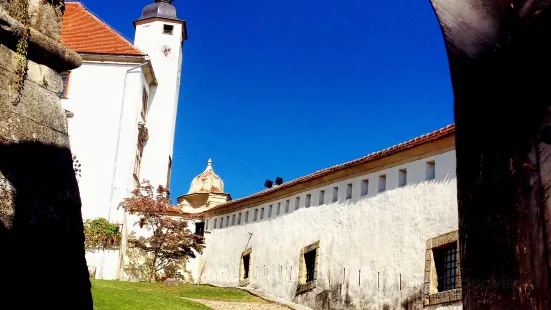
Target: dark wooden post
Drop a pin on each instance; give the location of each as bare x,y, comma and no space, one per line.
500,61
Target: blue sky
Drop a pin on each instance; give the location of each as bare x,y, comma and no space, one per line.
285,88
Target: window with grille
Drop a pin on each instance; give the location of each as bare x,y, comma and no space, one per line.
445,260
308,267
310,261
200,228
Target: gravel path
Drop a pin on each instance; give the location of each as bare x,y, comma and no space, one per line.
226,305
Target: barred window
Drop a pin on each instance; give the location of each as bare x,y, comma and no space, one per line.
445,260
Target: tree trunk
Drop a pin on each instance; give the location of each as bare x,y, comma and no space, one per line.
41,231
500,62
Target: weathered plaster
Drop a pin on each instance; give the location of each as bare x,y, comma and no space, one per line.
366,246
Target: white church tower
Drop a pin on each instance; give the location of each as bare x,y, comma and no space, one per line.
161,34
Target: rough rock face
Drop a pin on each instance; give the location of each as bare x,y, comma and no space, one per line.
41,231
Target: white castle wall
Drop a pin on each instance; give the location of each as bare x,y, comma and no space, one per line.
384,235
377,236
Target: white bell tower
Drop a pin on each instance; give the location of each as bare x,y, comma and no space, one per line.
161,35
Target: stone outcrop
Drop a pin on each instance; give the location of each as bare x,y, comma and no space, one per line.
41,231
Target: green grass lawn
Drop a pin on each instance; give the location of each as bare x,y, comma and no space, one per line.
120,295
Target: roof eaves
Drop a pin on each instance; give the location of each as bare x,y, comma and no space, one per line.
435,135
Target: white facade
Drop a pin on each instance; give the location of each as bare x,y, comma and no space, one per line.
104,123
105,100
368,243
165,52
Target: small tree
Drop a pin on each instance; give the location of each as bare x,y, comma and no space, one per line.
171,241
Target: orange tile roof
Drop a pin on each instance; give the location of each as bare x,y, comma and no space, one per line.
435,135
83,32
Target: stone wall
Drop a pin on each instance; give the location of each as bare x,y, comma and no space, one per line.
41,228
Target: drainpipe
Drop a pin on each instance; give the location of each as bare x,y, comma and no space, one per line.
123,240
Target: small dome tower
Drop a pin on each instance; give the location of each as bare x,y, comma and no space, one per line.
207,182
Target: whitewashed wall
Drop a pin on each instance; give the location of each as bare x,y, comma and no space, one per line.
97,131
380,234
161,118
416,172
106,262
95,97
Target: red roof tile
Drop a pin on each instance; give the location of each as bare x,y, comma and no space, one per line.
435,135
83,32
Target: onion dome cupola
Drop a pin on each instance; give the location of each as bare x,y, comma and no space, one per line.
207,182
160,9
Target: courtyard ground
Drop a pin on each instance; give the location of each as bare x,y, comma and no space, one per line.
120,295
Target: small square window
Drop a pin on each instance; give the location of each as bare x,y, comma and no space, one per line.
200,228
255,215
270,211
431,170
321,198
402,177
287,202
278,208
308,201
349,191
335,194
382,183
297,203
168,29
239,218
365,187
